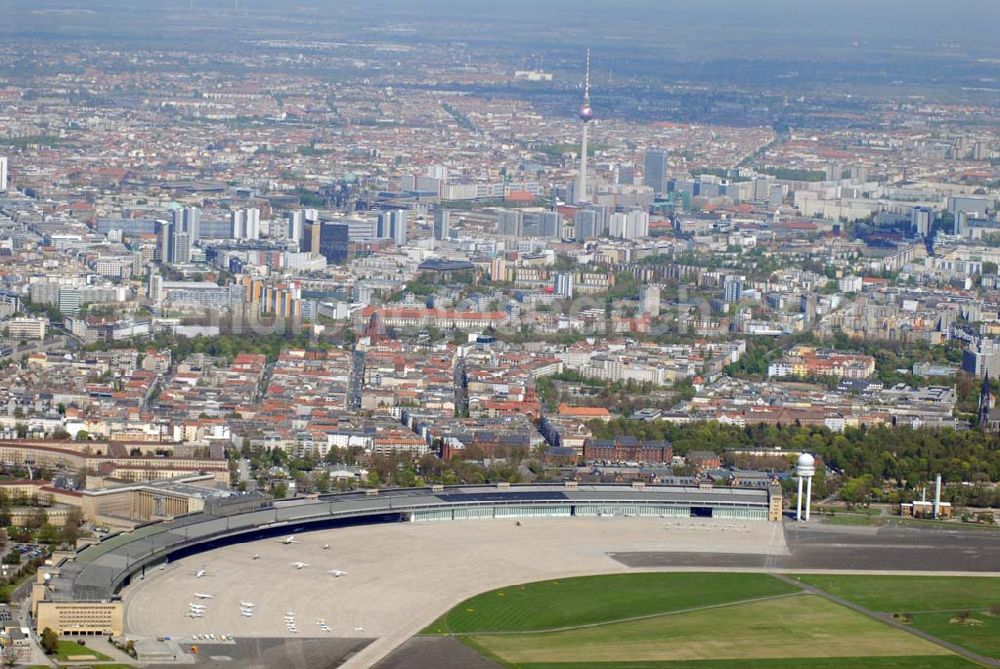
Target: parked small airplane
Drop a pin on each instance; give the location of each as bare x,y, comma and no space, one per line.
300,565
289,540
203,595
247,605
256,556
326,547
201,572
337,573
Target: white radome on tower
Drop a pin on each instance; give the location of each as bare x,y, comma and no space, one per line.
805,469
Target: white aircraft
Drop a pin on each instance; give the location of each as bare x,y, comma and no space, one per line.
289,614
300,565
326,547
337,573
195,614
196,607
246,614
200,573
247,605
289,540
256,556
203,595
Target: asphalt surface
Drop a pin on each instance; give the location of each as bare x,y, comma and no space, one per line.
440,652
818,546
270,653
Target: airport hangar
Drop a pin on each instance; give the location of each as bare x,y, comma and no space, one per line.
78,592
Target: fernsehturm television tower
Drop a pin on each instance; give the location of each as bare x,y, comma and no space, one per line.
586,115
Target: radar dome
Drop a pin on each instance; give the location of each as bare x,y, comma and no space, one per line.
805,465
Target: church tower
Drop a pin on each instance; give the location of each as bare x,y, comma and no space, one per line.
986,404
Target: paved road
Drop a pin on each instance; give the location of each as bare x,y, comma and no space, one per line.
892,622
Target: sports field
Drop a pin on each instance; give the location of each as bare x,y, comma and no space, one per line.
936,604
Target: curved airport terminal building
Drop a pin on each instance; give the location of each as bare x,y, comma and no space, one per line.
78,592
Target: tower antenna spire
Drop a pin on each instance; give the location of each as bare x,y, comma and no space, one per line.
586,115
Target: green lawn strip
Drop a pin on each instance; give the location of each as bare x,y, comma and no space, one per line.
805,626
903,594
70,648
980,634
595,599
900,662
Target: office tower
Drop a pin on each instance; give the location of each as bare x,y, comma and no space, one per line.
333,241
442,223
154,290
390,225
775,196
550,224
922,219
245,223
296,223
188,220
649,300
164,240
510,223
833,172
732,290
586,116
655,170
762,188
69,301
180,248
586,224
3,174
961,226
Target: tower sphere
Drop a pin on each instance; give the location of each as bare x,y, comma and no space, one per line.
586,113
805,465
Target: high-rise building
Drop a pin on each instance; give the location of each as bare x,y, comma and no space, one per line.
732,289
586,116
69,301
564,284
550,224
392,225
922,219
510,223
333,241
246,223
188,220
442,223
180,248
586,223
296,222
655,170
3,174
